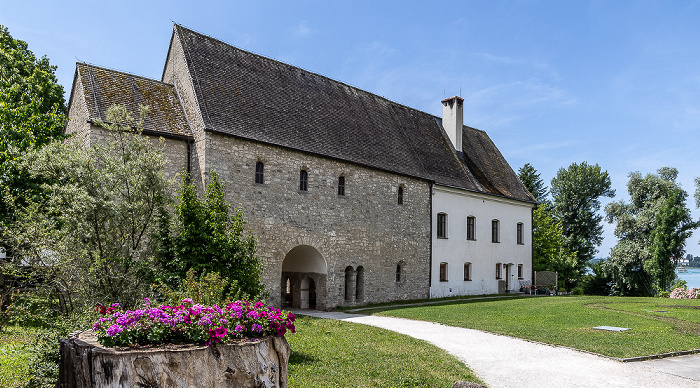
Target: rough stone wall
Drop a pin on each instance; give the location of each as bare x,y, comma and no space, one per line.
78,125
176,73
175,152
366,227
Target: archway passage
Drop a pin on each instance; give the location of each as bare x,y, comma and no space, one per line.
304,272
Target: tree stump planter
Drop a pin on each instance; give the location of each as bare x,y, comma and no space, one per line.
86,363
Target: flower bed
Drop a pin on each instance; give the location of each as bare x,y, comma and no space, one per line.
190,323
682,293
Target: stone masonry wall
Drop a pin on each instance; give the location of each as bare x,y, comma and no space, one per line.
365,227
176,73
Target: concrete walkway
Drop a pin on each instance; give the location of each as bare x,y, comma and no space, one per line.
504,362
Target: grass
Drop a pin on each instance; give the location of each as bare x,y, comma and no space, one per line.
14,355
327,353
569,321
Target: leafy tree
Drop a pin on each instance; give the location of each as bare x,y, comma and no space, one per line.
548,250
88,237
207,240
31,115
652,229
576,191
532,181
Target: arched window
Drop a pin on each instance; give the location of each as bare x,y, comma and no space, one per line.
442,225
467,271
303,180
259,172
360,284
349,283
341,185
494,231
471,228
400,276
443,272
400,195
520,233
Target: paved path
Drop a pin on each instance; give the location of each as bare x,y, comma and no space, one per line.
504,362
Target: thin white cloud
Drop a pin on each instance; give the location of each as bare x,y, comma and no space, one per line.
302,29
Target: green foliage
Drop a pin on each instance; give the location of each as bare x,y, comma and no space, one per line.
597,283
206,289
576,192
87,238
532,181
206,239
652,229
31,115
548,250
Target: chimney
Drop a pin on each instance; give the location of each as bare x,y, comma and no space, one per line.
453,120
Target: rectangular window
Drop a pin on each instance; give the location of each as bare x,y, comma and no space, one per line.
400,195
471,228
498,270
467,271
259,172
520,233
443,272
520,271
494,231
442,225
303,180
341,185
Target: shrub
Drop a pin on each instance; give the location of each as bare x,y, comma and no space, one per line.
681,293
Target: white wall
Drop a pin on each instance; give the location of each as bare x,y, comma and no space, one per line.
483,255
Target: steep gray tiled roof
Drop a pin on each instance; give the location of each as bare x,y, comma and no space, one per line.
254,97
104,88
250,96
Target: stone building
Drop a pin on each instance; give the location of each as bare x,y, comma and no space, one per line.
351,196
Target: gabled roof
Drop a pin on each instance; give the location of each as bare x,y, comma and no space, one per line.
253,97
104,87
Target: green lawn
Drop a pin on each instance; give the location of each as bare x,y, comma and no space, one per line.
327,353
568,321
14,356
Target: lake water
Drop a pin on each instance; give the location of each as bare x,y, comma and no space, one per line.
692,277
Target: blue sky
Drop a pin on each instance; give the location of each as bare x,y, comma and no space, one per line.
615,83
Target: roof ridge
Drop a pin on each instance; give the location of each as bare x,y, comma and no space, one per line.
123,72
356,88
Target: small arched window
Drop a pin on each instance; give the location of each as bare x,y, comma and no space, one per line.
471,228
303,180
400,195
443,272
341,185
467,271
259,172
400,276
494,231
520,233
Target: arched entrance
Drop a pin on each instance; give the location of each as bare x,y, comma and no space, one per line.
304,272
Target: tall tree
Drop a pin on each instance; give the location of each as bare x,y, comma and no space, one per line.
548,250
88,236
32,114
533,183
207,239
576,193
652,229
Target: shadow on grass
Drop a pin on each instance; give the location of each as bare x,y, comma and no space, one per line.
298,358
